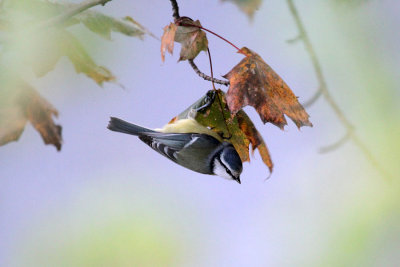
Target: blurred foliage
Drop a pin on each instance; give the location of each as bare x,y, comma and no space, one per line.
137,242
366,231
361,236
360,212
247,6
30,40
352,3
20,103
46,46
39,11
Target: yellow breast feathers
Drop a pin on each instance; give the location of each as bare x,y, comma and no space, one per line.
188,126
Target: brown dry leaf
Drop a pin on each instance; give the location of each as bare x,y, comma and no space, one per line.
255,138
167,40
192,39
238,130
20,103
253,82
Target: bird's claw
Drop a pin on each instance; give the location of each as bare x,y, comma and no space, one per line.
208,100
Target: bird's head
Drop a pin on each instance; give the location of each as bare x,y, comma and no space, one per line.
227,163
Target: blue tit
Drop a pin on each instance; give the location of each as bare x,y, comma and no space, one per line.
189,144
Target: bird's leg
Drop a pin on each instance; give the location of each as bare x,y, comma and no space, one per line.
228,137
208,101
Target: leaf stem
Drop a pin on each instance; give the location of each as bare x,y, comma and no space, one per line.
175,14
211,69
219,36
207,30
223,116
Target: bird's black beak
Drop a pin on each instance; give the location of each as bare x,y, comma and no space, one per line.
237,179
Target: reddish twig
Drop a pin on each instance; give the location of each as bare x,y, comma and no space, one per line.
175,14
211,69
210,31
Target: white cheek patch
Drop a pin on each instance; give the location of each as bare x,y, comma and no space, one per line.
220,170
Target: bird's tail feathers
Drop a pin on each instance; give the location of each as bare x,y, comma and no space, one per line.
122,126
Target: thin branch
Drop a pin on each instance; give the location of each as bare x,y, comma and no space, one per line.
175,14
335,145
57,20
294,40
325,92
317,66
175,9
314,98
206,77
371,158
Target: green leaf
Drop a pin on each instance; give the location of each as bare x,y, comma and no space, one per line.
21,12
44,51
81,60
103,25
239,130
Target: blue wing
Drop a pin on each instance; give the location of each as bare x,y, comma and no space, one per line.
170,144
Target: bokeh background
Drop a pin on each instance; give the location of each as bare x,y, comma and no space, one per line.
108,200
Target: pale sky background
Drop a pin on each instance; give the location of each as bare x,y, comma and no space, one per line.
108,199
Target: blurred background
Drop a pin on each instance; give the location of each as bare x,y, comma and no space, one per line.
108,200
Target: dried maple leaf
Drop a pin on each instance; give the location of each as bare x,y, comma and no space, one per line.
253,82
255,138
239,130
167,40
20,103
192,39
